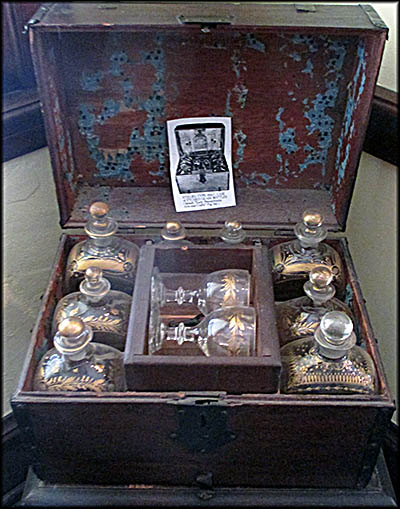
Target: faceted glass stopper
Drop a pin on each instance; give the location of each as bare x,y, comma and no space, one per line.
336,327
94,285
232,232
173,230
311,230
335,334
100,225
72,336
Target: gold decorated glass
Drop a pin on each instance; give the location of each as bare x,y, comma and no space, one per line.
228,287
227,331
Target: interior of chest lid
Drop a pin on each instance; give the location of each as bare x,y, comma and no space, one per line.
299,102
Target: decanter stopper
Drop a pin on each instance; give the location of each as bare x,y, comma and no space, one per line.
72,337
173,234
335,335
173,230
319,288
100,225
94,286
310,231
232,232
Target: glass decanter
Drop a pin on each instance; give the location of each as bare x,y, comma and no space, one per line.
329,362
300,317
228,331
77,364
228,287
232,233
115,256
292,261
105,310
173,234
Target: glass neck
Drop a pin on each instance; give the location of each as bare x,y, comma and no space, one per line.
93,301
336,352
319,296
77,356
100,243
328,355
303,247
180,334
181,296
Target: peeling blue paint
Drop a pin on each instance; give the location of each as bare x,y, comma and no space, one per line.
69,172
348,296
117,60
91,82
351,105
308,69
316,109
240,138
228,111
252,42
241,91
86,120
127,88
110,109
295,56
309,40
278,118
286,140
151,144
238,65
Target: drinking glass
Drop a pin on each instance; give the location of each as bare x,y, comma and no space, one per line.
228,287
227,331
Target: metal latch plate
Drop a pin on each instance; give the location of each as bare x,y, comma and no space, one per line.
202,428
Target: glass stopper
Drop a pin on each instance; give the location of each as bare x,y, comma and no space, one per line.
319,287
100,224
311,230
336,326
312,219
335,334
320,277
72,336
232,232
94,285
173,230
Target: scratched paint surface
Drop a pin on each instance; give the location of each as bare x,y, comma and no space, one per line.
286,94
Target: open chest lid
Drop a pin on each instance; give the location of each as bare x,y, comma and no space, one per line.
297,81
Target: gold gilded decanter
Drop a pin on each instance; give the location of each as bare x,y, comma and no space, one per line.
115,256
329,362
292,261
105,310
77,364
300,317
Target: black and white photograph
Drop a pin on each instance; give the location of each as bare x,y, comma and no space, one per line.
200,161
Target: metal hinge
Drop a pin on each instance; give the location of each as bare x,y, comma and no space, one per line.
37,17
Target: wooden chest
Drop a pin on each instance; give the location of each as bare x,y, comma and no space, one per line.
297,82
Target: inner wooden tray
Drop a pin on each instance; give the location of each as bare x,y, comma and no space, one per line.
235,375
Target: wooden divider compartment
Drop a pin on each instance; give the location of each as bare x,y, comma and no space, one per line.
235,375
